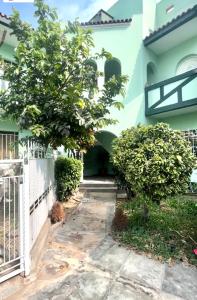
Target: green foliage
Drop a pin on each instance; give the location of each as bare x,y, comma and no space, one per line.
155,161
170,233
67,176
50,82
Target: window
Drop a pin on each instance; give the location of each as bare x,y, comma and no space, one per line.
151,72
8,145
169,9
187,64
112,68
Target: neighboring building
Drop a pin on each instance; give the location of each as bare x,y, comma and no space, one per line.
8,130
26,186
155,44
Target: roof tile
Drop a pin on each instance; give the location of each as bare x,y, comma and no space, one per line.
4,16
173,21
118,21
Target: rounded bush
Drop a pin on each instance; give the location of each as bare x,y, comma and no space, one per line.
67,176
155,160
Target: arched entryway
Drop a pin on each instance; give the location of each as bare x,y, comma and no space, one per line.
97,159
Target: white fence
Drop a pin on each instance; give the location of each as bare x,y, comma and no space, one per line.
41,194
191,137
26,197
38,191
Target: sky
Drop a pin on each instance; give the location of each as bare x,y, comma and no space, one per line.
67,9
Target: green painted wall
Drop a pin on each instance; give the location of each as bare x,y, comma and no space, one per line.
8,125
125,43
105,139
165,67
123,9
149,16
179,6
182,122
7,52
166,64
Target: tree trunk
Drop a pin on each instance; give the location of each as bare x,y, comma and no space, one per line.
146,213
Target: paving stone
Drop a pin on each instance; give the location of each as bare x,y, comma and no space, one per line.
74,296
106,197
85,223
166,296
102,248
146,271
57,289
93,286
113,258
98,267
122,292
181,281
59,297
8,290
81,241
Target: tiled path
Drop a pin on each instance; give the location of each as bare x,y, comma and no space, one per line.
83,262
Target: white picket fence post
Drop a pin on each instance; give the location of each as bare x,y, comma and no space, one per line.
26,216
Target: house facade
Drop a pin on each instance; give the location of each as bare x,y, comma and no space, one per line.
155,44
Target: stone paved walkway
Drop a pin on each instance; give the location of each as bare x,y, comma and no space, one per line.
83,262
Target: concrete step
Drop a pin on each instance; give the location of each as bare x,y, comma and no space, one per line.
97,185
97,189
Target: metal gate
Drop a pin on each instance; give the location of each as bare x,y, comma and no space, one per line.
11,218
191,137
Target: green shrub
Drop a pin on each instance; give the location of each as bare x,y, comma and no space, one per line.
67,176
155,160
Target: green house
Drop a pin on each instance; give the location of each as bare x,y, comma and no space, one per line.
155,44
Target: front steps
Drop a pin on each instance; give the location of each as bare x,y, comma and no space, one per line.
98,186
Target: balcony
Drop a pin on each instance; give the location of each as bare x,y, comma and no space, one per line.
172,96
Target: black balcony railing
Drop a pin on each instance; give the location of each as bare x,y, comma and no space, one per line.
175,93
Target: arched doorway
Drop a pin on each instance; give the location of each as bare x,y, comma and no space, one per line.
97,159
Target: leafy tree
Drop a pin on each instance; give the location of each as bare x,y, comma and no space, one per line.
51,86
155,162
